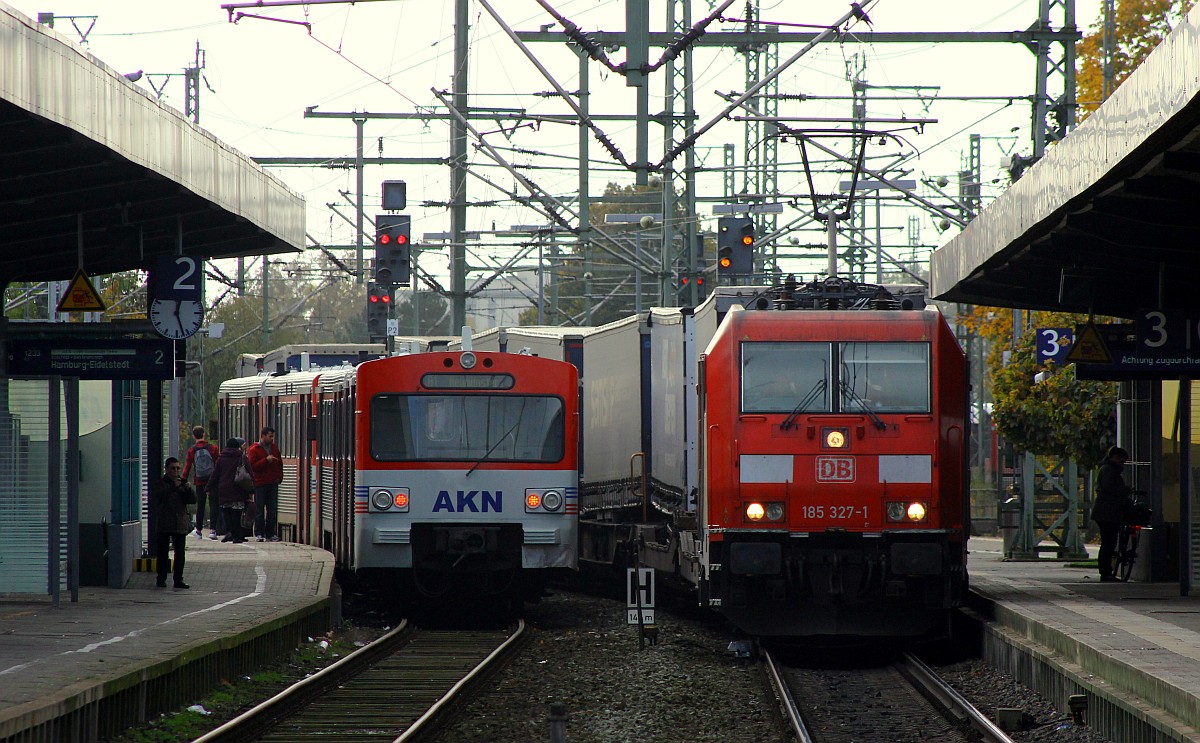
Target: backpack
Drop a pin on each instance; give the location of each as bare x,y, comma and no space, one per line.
204,464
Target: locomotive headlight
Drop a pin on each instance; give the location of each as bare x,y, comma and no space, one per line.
898,511
552,500
755,511
835,438
774,511
467,359
381,499
916,511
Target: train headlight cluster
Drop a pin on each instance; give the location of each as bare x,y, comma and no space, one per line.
389,499
898,511
769,511
543,500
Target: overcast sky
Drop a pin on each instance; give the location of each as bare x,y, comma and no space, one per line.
386,56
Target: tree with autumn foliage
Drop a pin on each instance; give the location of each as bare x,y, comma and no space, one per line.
1140,26
1061,416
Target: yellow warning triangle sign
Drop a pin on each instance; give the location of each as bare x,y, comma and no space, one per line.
1089,347
80,296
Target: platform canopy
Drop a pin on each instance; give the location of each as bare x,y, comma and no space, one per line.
90,164
1109,219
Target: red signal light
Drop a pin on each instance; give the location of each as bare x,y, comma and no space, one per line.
385,238
386,298
372,299
401,239
699,281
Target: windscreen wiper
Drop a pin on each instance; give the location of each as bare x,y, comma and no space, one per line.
849,392
818,388
499,441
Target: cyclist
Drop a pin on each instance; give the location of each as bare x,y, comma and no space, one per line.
1111,499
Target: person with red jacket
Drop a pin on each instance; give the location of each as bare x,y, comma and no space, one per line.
202,471
267,464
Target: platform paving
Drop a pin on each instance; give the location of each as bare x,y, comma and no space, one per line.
1138,643
56,658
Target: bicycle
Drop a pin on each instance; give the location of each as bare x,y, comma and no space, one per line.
1136,518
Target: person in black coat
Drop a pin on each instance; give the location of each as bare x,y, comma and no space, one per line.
1112,499
172,496
228,493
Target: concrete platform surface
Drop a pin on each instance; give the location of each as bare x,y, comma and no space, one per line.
50,654
1137,641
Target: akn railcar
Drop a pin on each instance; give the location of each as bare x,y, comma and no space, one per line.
437,474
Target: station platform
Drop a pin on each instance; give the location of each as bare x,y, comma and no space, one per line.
85,670
1132,648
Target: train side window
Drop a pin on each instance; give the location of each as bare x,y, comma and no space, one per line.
780,377
885,377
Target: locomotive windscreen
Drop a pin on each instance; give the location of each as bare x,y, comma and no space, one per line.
494,428
888,377
885,377
779,377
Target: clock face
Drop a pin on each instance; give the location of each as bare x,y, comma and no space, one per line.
176,319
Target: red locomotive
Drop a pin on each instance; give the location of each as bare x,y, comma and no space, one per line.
835,491
796,455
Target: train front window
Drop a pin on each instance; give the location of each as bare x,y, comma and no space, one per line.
467,428
786,378
885,377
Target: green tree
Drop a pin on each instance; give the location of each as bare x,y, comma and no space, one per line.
1140,25
1062,416
308,301
434,314
613,282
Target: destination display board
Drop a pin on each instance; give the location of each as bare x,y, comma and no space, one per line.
93,358
1159,344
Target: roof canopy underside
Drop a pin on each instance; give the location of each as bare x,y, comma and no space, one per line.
1109,220
87,156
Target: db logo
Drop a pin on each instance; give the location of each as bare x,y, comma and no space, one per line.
835,469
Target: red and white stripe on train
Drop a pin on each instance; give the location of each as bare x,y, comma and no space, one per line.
454,470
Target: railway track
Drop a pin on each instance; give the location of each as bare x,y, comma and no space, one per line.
905,701
389,690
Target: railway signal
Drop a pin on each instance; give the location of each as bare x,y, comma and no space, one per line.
686,280
379,304
392,241
735,246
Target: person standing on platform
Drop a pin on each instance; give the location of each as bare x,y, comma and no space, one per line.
199,463
1112,498
172,495
224,488
268,473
